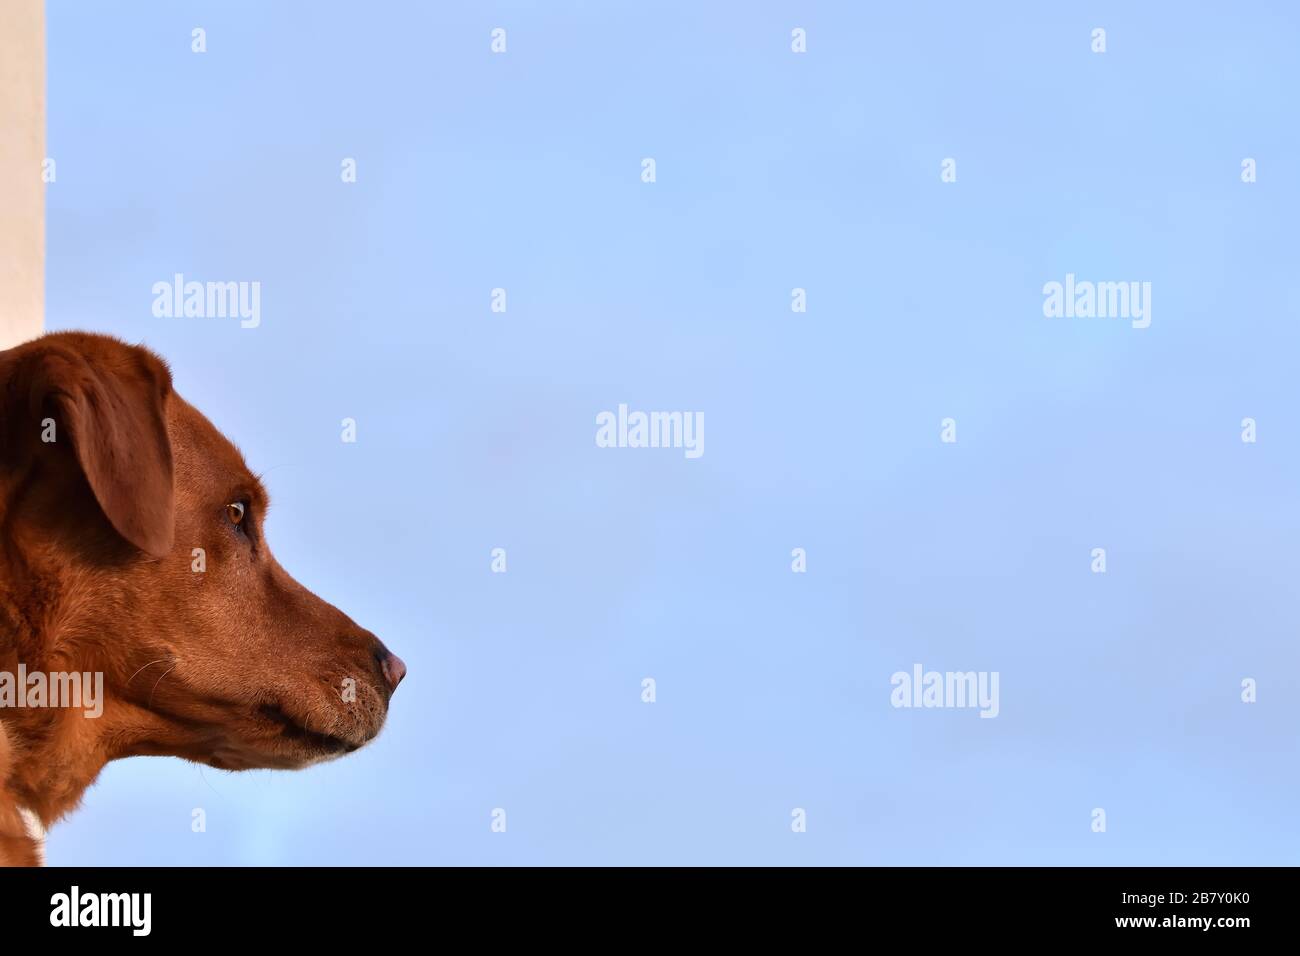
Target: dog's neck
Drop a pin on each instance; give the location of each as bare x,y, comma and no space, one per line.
53,753
56,753
19,845
41,775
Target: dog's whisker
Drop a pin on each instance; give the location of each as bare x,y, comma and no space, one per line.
161,660
159,681
204,778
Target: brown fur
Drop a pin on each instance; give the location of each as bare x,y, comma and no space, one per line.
236,667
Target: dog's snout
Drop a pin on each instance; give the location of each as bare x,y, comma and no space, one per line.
391,666
394,670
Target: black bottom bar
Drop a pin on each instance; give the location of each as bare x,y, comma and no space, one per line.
337,905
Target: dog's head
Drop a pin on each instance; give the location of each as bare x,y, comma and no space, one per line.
134,541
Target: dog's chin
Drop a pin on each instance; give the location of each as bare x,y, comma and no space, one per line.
262,757
275,740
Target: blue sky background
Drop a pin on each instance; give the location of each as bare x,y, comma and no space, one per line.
775,170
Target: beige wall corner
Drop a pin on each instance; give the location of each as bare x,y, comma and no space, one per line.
22,151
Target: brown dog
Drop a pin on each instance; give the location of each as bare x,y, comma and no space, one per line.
131,545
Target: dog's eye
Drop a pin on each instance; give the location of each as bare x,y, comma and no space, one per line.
235,512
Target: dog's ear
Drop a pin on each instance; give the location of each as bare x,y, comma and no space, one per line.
106,399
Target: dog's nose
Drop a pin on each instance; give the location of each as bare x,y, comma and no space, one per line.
394,670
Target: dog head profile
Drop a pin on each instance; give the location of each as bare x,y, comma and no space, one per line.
132,545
